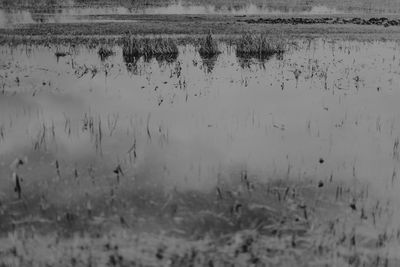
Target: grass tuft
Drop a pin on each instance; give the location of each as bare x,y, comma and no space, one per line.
159,48
209,47
258,46
105,52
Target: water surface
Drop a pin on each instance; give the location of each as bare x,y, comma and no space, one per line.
192,121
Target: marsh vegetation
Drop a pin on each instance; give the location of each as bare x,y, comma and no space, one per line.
234,164
209,47
234,146
161,48
258,46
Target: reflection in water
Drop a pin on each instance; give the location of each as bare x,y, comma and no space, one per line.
209,52
140,136
247,62
209,63
163,50
132,66
131,62
177,125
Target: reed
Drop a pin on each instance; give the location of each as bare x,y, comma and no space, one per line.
209,47
159,48
258,46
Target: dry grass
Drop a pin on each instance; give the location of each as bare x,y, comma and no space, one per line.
209,47
159,48
258,46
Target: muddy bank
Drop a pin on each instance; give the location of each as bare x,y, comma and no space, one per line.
386,22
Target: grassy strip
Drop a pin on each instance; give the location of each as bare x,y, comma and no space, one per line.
185,24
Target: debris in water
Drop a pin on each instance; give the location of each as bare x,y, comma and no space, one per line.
17,181
353,205
58,169
118,171
18,162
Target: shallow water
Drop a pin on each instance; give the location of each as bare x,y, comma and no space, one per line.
193,121
140,139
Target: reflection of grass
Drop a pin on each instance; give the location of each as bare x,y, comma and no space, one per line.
209,63
257,224
258,46
209,52
159,48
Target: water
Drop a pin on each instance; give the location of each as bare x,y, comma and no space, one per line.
181,145
193,122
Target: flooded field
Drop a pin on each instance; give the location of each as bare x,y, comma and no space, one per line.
301,149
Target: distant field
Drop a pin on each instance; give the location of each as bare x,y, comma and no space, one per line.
186,26
359,6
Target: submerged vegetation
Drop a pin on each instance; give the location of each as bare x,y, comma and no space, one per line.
160,48
258,46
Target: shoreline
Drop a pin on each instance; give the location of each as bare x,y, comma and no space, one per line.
185,27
